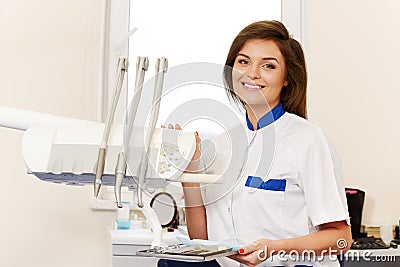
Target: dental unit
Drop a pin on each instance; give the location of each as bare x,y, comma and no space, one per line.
79,152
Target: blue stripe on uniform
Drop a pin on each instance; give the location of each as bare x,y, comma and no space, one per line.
271,184
268,118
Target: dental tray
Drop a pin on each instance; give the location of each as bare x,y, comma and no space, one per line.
189,252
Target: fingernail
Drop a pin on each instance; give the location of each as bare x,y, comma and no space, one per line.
241,251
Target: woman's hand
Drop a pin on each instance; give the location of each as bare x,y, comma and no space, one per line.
257,252
195,161
196,219
333,237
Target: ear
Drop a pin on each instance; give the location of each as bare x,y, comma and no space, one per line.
285,83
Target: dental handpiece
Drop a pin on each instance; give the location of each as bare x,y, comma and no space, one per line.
120,170
161,69
101,159
122,67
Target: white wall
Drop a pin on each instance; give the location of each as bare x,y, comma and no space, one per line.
353,50
49,52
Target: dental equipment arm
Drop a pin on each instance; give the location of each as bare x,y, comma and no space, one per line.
20,119
142,65
122,67
161,69
64,150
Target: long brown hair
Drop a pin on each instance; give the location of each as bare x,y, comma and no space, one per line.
294,95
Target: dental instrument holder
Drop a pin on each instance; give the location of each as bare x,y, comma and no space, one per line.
120,172
142,66
122,67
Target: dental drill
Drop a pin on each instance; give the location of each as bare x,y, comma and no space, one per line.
122,67
142,65
161,69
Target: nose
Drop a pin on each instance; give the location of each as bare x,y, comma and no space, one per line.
253,72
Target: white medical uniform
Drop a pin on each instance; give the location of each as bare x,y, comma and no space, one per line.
290,183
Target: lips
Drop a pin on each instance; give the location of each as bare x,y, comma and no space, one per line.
252,87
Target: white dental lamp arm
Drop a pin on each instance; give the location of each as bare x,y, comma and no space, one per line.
20,119
64,150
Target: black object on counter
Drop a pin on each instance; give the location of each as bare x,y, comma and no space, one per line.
368,243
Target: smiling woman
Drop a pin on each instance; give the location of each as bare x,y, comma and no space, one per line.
275,204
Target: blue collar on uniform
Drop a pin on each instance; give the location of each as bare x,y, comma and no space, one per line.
268,118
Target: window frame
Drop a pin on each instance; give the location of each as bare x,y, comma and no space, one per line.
113,36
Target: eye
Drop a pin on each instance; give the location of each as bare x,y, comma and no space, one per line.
268,66
243,61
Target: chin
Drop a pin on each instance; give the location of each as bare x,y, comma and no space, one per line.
254,101
251,97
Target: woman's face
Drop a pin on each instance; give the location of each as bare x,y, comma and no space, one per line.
259,74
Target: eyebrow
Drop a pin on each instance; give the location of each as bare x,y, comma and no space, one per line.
264,58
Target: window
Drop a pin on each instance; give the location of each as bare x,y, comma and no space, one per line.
193,31
184,32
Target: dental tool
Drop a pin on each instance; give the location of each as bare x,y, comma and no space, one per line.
161,69
122,67
142,65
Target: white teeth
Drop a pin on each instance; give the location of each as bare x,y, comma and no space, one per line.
252,86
